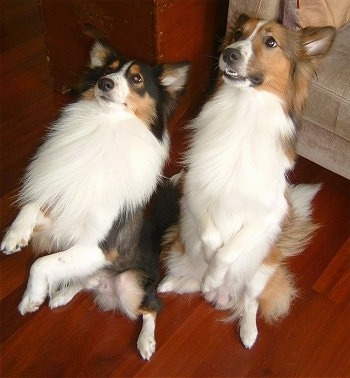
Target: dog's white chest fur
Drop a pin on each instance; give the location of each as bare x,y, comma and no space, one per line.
95,163
236,162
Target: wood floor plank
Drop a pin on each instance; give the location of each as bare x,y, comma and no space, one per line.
334,281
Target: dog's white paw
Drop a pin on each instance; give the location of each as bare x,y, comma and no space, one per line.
65,294
220,298
37,288
214,276
30,303
146,345
168,284
60,299
179,285
212,281
248,333
14,240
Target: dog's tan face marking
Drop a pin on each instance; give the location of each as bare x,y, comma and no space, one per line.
138,100
151,93
142,107
271,59
259,54
115,65
89,94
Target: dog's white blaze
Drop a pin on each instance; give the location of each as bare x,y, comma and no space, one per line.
120,91
246,50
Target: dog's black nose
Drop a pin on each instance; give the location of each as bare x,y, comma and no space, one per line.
105,84
231,55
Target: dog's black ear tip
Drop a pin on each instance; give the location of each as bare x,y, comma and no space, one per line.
92,31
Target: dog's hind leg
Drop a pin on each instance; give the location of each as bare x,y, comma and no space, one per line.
149,308
65,294
45,274
250,304
21,230
146,342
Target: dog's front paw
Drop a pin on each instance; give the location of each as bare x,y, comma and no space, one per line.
14,240
167,285
170,284
37,288
213,277
210,283
179,285
30,303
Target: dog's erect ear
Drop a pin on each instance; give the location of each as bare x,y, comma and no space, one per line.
100,49
99,54
317,40
242,19
174,78
315,43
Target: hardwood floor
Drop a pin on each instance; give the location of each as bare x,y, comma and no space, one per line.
79,340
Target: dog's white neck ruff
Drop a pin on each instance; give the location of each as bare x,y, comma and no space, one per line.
236,162
96,162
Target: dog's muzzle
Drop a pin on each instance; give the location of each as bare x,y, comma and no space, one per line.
231,55
234,68
105,84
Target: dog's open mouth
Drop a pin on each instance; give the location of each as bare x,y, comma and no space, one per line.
232,75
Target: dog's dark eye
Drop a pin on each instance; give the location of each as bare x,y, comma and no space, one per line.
237,34
270,42
136,78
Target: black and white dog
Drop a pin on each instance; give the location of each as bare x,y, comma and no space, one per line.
85,191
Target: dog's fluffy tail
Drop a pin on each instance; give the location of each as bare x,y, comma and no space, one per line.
298,227
296,234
